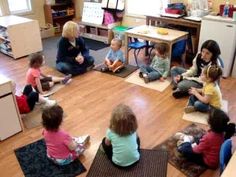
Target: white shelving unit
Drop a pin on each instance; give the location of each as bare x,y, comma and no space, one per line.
10,121
19,36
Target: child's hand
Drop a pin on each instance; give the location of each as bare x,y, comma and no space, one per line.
192,91
177,78
162,79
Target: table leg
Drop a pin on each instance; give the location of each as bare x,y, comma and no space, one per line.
126,50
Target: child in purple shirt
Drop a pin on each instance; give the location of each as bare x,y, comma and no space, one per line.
62,149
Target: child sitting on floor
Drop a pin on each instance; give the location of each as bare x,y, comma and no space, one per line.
62,149
114,60
121,144
39,81
159,67
29,98
210,95
206,150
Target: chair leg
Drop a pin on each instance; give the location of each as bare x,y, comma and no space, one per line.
135,56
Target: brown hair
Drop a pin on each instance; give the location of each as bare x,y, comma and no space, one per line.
213,72
35,60
123,121
162,48
52,118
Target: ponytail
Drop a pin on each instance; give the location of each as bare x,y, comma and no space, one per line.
229,130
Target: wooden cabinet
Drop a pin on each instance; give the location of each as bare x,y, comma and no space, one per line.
10,122
59,14
19,36
101,33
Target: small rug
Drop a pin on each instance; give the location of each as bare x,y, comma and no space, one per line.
156,85
152,163
34,162
127,70
33,118
188,168
200,117
94,45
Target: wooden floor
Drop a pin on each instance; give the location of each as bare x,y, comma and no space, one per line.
88,101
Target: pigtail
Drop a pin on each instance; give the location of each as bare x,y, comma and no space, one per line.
229,130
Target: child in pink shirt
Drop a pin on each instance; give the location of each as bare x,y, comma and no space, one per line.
206,150
62,149
39,81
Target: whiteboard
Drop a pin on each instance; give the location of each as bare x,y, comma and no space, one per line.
92,13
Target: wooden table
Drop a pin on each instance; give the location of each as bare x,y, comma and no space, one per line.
181,22
230,168
149,33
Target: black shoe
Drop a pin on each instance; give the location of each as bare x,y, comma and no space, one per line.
118,71
179,93
174,87
104,69
140,74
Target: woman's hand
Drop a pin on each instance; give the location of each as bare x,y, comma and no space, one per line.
79,59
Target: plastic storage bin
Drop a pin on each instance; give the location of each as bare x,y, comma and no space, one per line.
119,32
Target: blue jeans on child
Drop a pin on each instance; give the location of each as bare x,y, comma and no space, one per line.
75,68
198,105
183,85
151,72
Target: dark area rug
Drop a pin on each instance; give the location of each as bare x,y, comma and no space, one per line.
50,51
190,169
95,45
34,162
127,70
153,163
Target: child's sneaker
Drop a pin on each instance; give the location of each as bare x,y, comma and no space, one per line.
140,74
82,139
189,109
67,79
145,78
104,69
50,103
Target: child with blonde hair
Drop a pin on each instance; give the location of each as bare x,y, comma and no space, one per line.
159,67
210,95
62,149
39,81
114,60
121,144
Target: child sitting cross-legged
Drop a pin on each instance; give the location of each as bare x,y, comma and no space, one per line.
121,144
210,95
114,60
62,149
159,67
205,151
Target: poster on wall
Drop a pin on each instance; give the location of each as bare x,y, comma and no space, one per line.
92,13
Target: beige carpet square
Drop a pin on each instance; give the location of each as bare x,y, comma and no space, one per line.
200,117
155,85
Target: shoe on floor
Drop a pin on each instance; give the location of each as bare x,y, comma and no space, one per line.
189,109
104,69
177,93
82,139
67,79
140,74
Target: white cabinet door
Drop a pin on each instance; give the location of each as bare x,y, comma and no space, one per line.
9,120
224,34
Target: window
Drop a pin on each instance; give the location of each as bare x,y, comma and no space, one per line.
145,7
19,6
